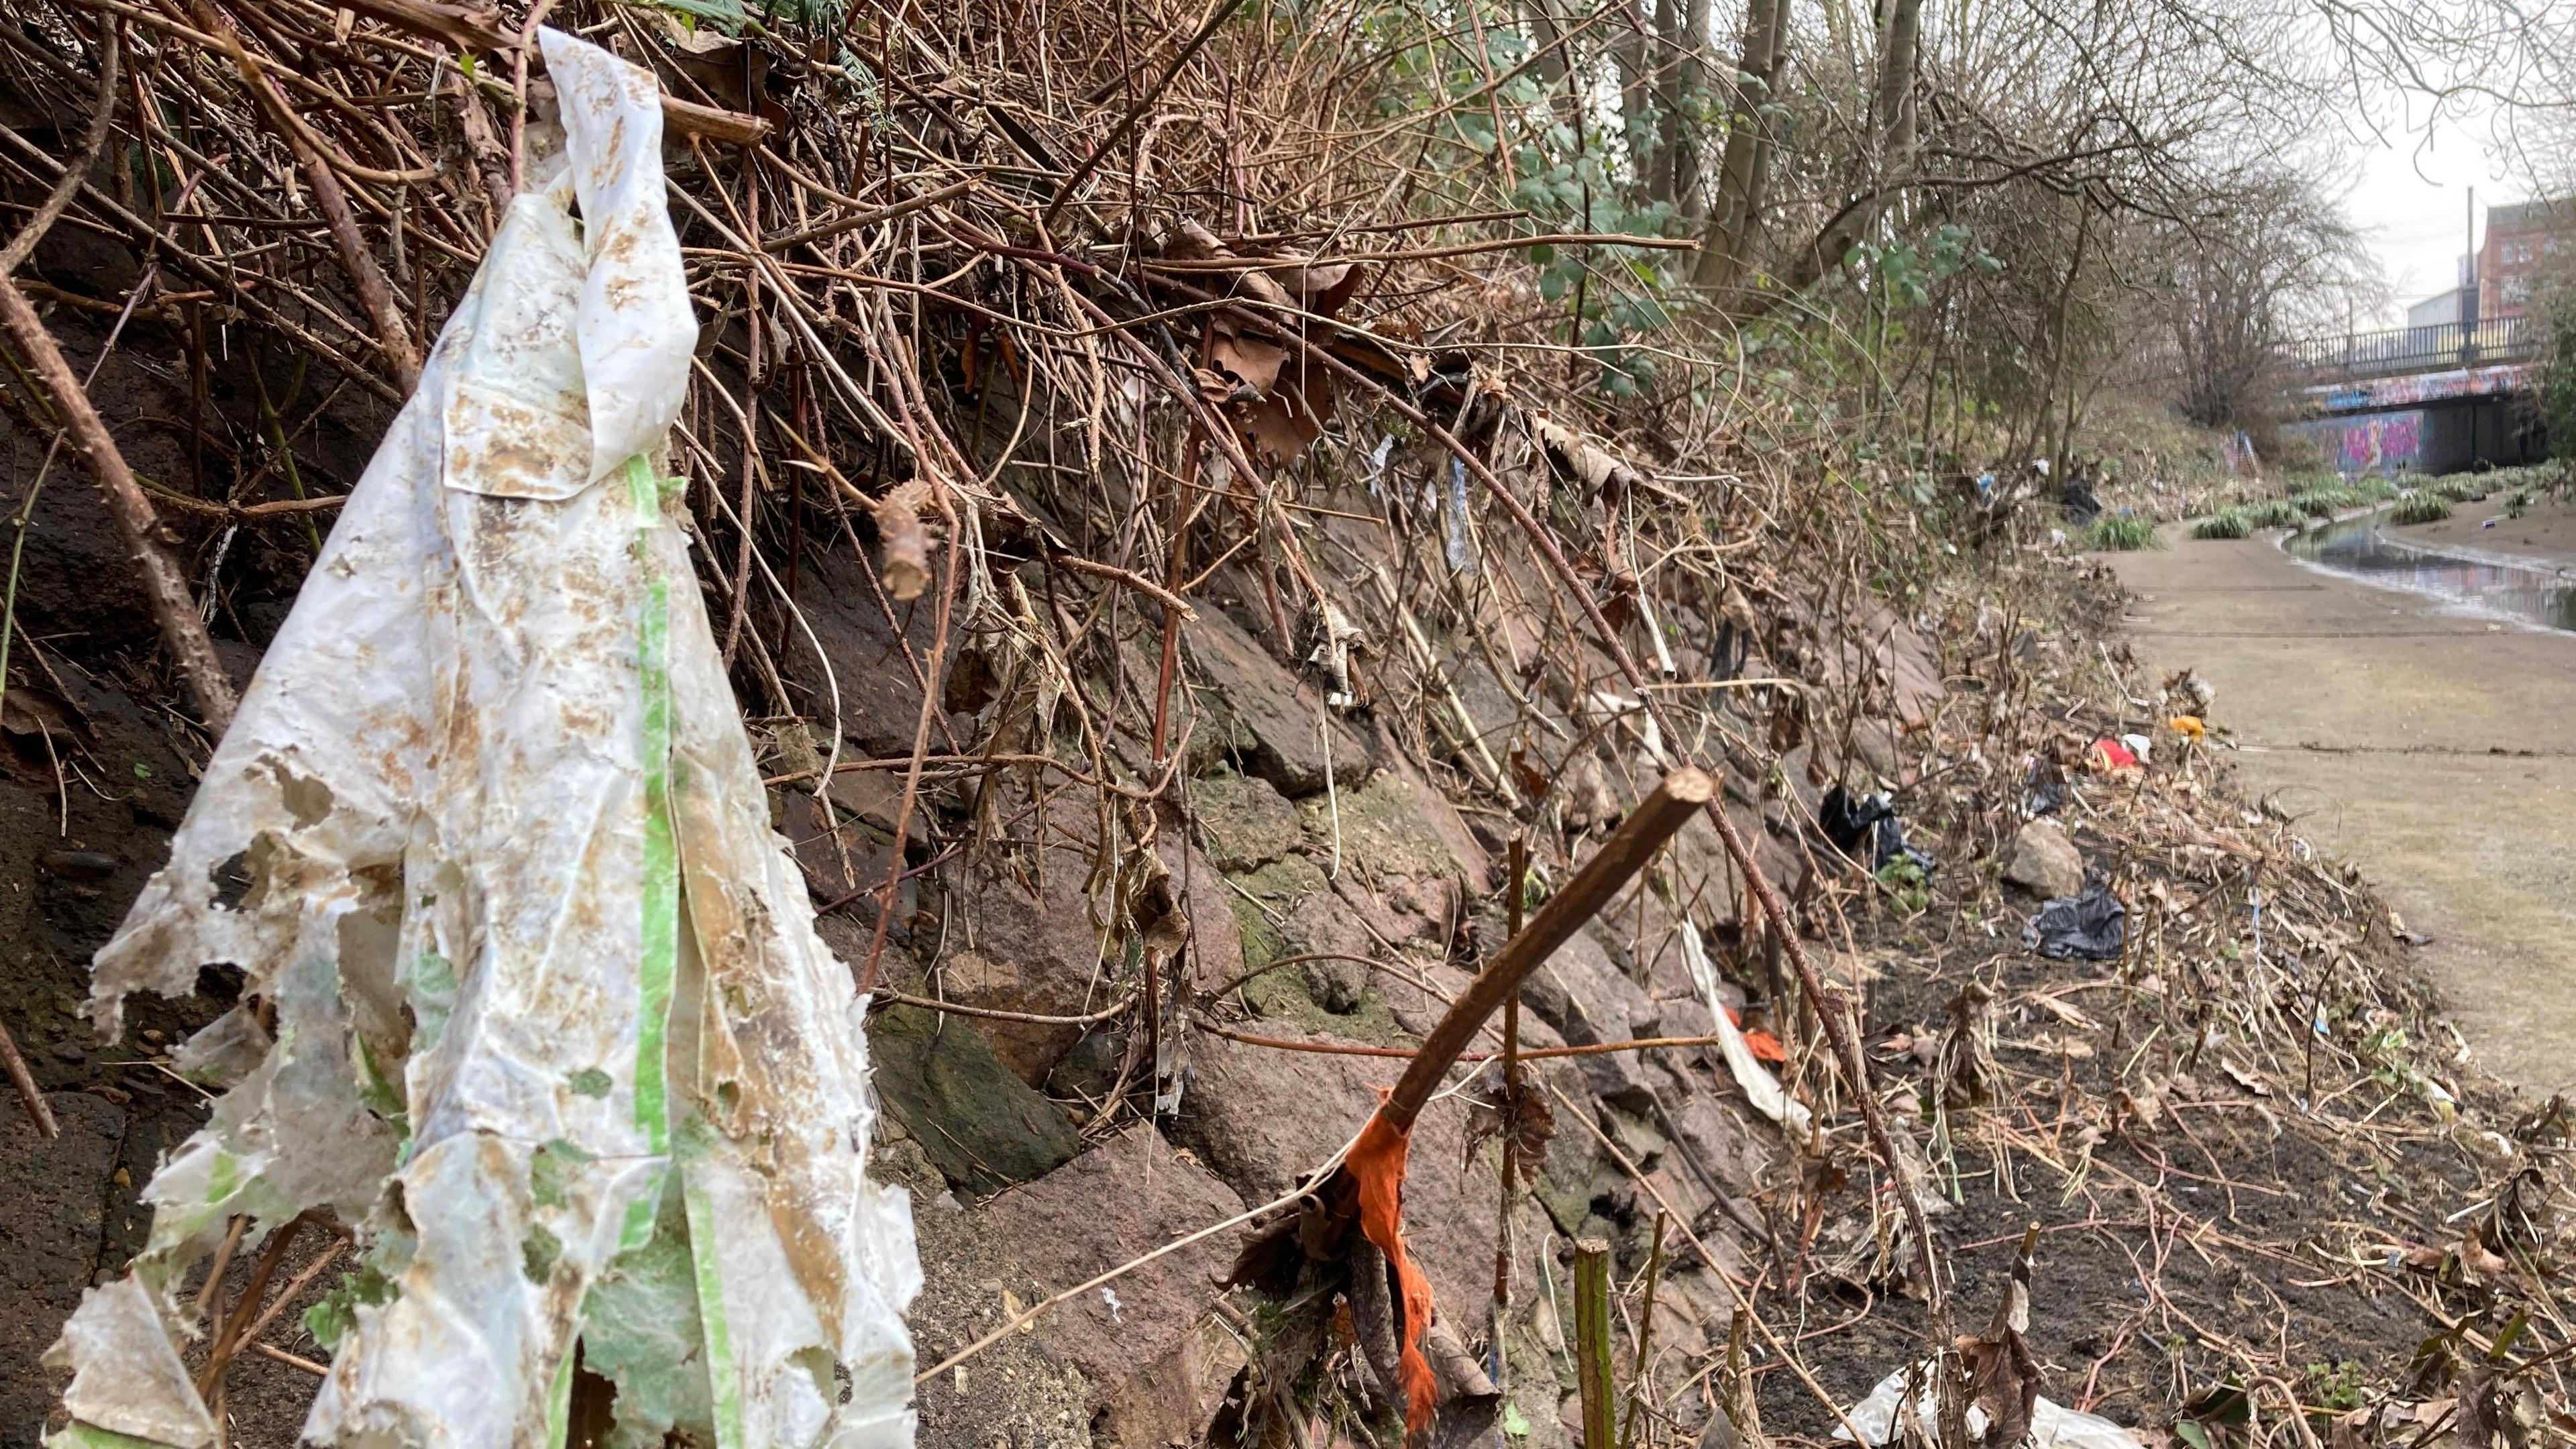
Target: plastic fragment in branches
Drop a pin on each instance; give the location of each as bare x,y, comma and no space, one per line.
533,998
2052,1425
1760,1088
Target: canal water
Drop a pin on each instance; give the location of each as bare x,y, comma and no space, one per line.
2357,546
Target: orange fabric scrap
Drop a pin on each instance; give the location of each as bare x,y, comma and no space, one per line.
1764,1046
1377,1164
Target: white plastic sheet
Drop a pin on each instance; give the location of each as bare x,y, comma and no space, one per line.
551,1022
2052,1425
1761,1088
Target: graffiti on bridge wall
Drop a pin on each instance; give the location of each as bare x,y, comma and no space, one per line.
2385,443
2422,387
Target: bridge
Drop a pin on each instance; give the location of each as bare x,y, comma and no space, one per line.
2432,399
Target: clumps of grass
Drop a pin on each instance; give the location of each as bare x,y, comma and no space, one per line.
2522,478
2420,508
2226,523
2458,487
2321,502
2519,504
2121,533
2369,488
2272,513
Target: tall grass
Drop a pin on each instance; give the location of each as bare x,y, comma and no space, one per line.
2226,523
2121,533
2420,508
2273,513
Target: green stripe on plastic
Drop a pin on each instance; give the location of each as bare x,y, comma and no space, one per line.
661,887
723,1383
78,1435
559,1403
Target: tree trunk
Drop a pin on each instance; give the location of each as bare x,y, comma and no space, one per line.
1734,224
1546,34
1634,50
1891,150
1680,76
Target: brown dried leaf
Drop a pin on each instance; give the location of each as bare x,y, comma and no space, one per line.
2003,1374
1249,361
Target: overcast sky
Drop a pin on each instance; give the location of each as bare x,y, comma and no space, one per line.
2409,199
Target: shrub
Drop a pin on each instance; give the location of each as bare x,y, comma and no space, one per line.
2226,523
2420,508
2122,533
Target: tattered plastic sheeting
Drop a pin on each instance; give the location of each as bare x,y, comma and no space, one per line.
1761,1088
551,1022
2052,1425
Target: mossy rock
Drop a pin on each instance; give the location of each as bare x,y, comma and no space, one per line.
1244,820
1382,825
983,1127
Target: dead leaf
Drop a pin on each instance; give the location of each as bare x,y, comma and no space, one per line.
1249,361
2245,1078
2003,1373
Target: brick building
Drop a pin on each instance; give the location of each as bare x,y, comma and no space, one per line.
2519,238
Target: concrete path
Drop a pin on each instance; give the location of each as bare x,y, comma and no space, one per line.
2395,731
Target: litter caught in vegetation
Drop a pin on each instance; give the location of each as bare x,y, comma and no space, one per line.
2092,926
552,1027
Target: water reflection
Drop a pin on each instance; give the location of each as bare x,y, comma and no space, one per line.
2356,546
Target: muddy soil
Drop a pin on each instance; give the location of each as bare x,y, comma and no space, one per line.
2236,1225
96,768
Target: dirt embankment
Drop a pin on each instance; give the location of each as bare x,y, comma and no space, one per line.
2198,1225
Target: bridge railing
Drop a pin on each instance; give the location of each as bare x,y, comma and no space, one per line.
2419,349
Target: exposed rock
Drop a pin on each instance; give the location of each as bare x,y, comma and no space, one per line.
1246,821
2044,862
847,854
1384,828
880,692
1338,984
1135,1340
1267,716
1287,908
1027,934
1588,1000
1025,940
1262,1118
1090,1070
1173,1399
1401,872
1028,976
983,1127
1720,1135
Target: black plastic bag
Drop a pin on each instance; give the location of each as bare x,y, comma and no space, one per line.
2088,927
2046,792
1848,823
